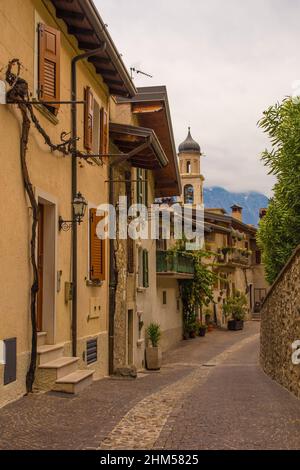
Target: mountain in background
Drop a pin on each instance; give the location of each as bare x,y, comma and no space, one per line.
251,202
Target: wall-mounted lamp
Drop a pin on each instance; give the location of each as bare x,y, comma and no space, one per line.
79,207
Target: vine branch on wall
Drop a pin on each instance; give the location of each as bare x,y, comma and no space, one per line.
19,94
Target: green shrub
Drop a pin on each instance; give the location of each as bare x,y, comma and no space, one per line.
154,334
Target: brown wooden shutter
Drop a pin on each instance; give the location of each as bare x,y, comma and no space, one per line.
88,118
49,64
130,255
104,132
97,249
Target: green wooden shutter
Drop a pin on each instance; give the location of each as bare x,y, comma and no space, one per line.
145,268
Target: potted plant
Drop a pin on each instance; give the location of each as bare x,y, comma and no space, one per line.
202,329
208,322
235,309
153,351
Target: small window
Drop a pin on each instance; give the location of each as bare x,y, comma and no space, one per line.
188,194
188,166
164,297
142,186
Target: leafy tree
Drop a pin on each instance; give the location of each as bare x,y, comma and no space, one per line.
279,230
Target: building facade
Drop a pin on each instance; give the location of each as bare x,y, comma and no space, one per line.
73,296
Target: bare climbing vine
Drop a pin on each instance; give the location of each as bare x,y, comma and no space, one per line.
19,94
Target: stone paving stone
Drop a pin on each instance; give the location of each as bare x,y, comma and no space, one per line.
239,407
49,421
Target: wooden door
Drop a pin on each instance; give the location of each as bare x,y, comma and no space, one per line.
130,337
40,263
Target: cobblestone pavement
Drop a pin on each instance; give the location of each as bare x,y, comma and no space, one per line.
210,394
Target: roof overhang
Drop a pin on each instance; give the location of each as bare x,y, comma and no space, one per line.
129,139
152,108
84,22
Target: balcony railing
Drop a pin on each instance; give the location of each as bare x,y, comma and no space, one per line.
167,262
235,256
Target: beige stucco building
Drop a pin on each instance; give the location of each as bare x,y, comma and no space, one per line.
72,319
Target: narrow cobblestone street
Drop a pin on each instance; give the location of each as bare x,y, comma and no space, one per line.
210,394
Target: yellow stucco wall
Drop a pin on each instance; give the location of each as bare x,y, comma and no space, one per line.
51,177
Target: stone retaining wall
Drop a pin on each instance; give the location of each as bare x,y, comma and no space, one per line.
280,326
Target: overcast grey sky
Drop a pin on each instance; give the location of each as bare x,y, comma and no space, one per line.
223,62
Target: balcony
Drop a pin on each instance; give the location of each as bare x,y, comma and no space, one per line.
234,257
174,265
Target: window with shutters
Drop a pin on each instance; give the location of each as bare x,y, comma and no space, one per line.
96,125
49,66
97,249
142,186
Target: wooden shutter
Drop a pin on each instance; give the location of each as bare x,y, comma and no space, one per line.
104,132
97,249
49,64
88,118
145,268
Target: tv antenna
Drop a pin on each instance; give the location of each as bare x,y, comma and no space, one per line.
134,70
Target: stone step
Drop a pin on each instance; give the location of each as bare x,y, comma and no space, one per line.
41,338
74,382
60,367
49,352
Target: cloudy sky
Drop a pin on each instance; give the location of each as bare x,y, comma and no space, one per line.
223,63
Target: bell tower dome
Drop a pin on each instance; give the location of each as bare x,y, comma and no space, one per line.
189,167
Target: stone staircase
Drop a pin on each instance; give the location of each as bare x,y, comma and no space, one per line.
58,372
256,316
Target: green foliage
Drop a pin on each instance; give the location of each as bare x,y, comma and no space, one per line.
197,291
154,334
235,306
279,230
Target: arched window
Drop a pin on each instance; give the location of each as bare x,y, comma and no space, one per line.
188,194
188,166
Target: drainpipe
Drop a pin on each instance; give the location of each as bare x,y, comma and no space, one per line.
76,59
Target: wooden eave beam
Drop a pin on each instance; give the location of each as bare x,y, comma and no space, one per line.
67,14
77,30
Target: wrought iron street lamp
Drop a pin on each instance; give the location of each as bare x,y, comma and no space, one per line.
79,207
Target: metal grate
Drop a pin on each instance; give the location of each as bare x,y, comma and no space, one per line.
91,351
